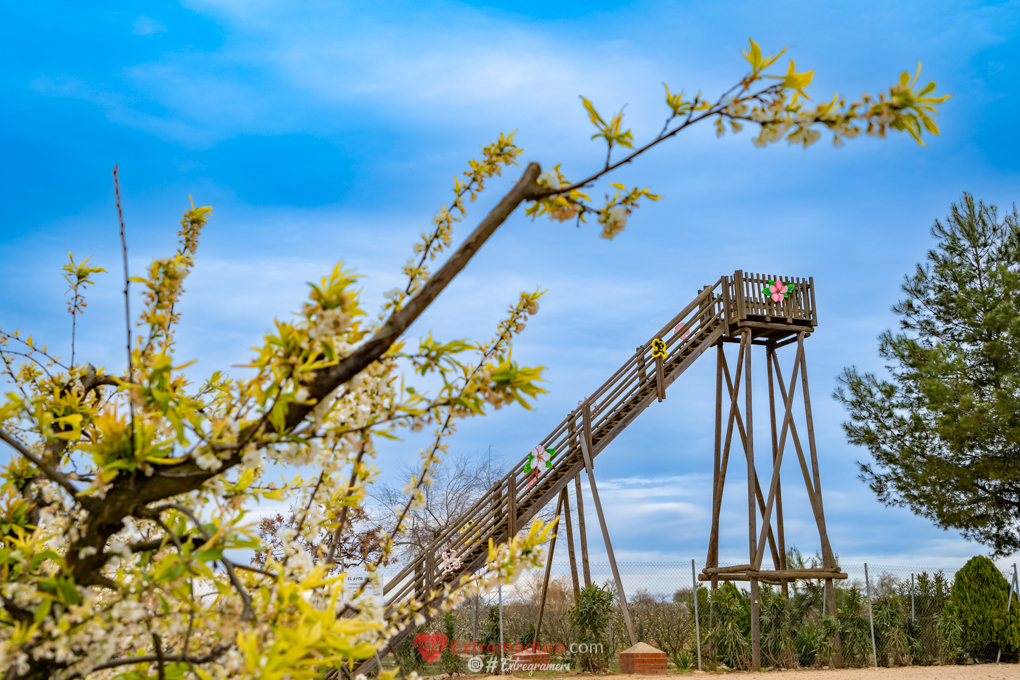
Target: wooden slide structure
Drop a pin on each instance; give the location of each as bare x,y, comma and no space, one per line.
738,309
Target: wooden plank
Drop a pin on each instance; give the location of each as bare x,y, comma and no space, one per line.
565,496
737,577
733,569
829,559
660,380
771,326
752,511
814,307
738,281
777,575
548,570
586,439
581,532
726,304
512,507
778,454
712,560
769,353
609,544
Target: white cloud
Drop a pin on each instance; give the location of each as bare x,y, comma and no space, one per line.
284,71
144,25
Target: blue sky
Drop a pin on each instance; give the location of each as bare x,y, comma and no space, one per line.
328,131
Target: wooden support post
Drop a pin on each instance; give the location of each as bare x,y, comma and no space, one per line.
826,547
581,533
733,386
813,487
660,379
718,479
770,352
752,510
565,500
727,312
511,502
586,450
548,570
778,462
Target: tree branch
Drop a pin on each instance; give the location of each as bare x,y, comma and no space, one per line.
214,654
132,492
55,475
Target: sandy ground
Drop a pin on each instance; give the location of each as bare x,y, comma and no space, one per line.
975,672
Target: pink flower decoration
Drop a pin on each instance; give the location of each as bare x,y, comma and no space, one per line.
541,457
677,330
778,290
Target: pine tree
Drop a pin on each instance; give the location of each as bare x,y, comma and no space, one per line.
979,599
944,431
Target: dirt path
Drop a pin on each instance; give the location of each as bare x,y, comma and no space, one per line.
975,672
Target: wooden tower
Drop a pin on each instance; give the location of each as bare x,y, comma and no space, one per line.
739,309
772,324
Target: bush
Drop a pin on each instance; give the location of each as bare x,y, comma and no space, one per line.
892,630
589,621
407,655
450,662
774,618
978,598
489,630
931,595
732,631
808,642
854,631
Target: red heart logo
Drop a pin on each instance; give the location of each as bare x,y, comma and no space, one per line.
430,645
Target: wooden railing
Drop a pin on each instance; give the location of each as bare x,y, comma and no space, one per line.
643,378
753,304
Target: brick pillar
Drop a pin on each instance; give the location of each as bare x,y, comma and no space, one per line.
643,659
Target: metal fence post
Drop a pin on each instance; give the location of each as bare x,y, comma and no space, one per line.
697,622
1009,602
500,629
871,616
912,617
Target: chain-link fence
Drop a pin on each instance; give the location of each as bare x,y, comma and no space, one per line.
906,610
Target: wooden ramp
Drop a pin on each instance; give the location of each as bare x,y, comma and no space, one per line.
732,307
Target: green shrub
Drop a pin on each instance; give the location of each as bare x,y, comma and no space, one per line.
931,594
854,631
732,631
950,636
892,630
774,619
807,643
489,633
407,655
589,621
450,662
979,597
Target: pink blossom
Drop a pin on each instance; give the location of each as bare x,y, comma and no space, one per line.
541,456
778,290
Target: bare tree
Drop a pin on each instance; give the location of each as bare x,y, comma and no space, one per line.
456,486
361,542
